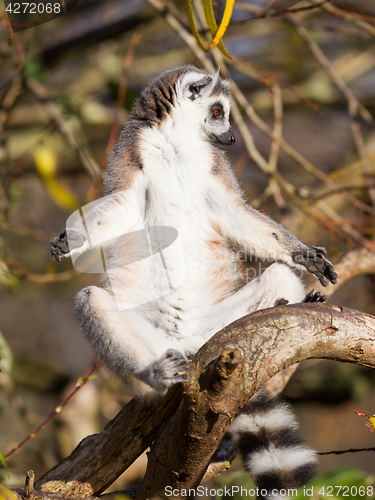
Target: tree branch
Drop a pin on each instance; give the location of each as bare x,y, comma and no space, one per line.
354,263
226,371
100,459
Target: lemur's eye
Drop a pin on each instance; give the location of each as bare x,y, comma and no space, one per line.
217,111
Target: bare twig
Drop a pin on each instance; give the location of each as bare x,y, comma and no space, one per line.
82,152
313,198
56,411
26,231
269,12
164,8
269,6
354,263
277,128
273,187
287,148
342,224
248,140
348,16
354,106
13,37
22,272
341,452
360,144
9,99
352,32
43,279
128,60
296,10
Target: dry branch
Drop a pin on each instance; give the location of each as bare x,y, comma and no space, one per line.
10,98
355,108
226,371
82,152
336,11
354,105
353,263
98,460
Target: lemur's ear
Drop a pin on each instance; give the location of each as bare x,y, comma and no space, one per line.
198,88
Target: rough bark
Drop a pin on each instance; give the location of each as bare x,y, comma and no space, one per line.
100,459
226,371
265,342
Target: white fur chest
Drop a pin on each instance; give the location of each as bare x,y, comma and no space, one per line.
177,177
177,170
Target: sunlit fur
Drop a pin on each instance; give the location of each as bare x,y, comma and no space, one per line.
170,156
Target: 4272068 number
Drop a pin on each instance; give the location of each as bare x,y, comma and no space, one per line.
346,491
33,8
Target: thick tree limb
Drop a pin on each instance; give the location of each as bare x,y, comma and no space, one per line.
226,451
263,342
226,371
100,459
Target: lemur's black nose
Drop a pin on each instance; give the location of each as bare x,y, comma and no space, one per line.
226,139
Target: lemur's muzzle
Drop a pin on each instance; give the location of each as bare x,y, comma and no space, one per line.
225,139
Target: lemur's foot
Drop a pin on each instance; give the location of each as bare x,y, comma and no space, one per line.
314,297
315,262
168,370
281,302
62,244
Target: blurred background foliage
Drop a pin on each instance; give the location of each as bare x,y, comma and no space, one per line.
66,89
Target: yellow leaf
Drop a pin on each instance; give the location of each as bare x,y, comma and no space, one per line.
46,164
6,494
372,420
60,194
224,23
212,26
45,161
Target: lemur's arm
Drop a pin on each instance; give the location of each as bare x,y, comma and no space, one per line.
109,218
261,236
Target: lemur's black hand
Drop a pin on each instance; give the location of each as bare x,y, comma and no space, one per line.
312,297
65,242
315,262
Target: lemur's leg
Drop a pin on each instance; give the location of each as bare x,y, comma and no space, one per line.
277,282
126,342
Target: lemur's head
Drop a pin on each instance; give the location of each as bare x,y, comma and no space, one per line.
191,97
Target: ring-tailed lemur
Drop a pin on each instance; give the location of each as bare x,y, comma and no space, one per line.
170,157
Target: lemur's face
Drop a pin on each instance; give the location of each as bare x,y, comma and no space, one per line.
204,102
